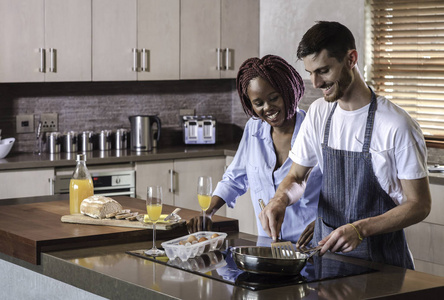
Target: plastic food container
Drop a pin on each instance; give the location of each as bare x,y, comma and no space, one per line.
190,250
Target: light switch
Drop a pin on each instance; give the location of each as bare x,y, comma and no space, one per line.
24,123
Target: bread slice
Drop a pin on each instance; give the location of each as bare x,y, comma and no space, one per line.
98,206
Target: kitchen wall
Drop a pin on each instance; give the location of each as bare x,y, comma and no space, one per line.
107,105
283,23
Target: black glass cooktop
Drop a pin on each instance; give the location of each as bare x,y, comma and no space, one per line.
219,265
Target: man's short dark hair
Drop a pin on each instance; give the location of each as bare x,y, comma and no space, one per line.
332,36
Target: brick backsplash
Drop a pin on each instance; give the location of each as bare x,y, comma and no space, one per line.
107,105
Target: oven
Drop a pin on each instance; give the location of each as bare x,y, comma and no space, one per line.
106,183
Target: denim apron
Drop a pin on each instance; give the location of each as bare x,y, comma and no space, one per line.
351,192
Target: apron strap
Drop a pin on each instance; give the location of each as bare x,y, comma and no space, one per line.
369,125
327,125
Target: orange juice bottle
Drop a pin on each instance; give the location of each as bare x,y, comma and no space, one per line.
80,186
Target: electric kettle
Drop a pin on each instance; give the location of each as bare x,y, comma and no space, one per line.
141,135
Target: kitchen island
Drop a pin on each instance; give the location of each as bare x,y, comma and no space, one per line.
104,267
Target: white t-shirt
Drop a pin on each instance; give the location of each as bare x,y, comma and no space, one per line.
397,145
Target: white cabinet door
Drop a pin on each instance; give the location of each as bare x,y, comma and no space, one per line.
155,173
158,36
239,34
200,36
232,26
114,38
187,171
30,28
26,183
21,36
68,31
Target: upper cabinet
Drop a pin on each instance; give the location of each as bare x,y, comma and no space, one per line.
114,39
135,40
68,40
217,36
45,40
119,40
239,34
158,36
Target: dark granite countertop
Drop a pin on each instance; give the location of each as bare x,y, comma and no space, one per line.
96,157
110,272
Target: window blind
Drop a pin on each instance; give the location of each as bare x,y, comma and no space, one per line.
408,58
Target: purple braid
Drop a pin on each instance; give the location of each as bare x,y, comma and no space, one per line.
279,74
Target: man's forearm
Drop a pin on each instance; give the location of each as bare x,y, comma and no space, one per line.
291,189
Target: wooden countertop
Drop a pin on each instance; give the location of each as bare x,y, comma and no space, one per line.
30,226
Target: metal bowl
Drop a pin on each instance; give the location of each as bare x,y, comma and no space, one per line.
259,260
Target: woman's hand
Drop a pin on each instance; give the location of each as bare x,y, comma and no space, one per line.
306,235
195,224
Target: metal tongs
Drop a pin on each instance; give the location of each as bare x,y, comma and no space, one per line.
311,250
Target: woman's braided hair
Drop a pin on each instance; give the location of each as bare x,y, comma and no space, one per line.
279,74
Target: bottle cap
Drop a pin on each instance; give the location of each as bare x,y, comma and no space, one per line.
81,157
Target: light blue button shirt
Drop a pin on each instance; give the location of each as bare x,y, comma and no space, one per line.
253,167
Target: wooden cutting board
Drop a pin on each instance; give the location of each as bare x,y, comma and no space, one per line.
82,219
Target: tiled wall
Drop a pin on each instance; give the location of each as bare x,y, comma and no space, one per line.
107,105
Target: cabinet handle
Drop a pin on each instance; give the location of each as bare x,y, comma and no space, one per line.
42,68
52,60
51,186
135,60
227,58
218,58
171,189
145,60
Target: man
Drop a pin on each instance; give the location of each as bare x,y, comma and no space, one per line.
371,152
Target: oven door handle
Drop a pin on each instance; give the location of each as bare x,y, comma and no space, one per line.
127,193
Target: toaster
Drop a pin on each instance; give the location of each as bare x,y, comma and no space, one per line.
199,129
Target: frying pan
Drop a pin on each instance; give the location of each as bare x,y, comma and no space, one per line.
259,260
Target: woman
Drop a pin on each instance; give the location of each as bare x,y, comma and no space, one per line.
269,90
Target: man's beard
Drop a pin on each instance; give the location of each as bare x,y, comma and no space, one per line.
340,86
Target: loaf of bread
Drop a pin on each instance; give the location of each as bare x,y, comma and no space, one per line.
99,206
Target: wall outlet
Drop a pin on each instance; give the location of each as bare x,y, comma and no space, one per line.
24,123
50,122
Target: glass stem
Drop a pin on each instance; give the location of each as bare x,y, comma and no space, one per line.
203,229
154,236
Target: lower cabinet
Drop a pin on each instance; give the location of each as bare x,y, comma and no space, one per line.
426,239
178,179
26,183
243,210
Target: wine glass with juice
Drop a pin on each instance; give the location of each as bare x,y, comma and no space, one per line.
204,191
154,210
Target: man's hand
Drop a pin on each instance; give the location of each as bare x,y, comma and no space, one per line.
343,239
272,218
306,235
289,192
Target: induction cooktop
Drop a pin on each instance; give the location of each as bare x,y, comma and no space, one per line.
219,265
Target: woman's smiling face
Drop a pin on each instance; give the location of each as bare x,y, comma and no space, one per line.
266,102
